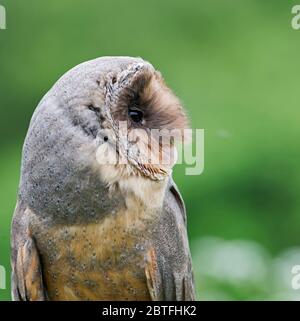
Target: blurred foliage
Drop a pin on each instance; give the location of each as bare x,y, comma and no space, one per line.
235,65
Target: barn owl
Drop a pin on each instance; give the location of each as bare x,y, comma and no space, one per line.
95,219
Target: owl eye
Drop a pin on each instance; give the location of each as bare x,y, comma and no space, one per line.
93,108
135,115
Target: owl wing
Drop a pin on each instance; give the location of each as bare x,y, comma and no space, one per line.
27,283
168,261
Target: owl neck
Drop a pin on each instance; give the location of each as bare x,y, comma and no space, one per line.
148,193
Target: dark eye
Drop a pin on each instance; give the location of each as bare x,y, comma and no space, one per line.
93,108
135,115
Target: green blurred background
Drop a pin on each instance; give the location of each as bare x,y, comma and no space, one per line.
236,66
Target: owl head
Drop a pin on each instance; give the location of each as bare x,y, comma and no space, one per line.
141,121
114,114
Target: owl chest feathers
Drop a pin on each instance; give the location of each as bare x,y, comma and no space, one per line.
82,261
